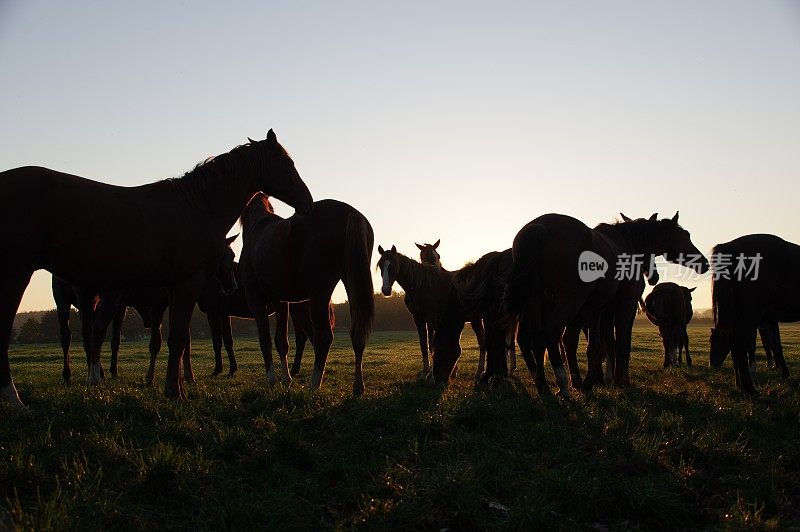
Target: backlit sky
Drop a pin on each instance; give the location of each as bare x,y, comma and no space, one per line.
452,120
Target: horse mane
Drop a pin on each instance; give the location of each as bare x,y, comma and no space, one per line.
256,208
419,275
472,281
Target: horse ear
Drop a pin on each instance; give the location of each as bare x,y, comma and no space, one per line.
420,247
230,239
692,289
380,249
251,140
625,218
654,217
675,218
394,249
271,138
436,245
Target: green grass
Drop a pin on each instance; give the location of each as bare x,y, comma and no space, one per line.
679,449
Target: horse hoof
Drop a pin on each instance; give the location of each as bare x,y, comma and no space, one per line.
358,390
423,374
67,378
175,391
294,372
231,372
190,379
217,371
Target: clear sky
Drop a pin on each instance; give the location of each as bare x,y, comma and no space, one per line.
452,120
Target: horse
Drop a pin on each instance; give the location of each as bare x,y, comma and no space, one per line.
169,233
560,272
425,287
630,290
770,337
66,296
476,292
429,255
302,258
99,309
219,307
754,282
669,307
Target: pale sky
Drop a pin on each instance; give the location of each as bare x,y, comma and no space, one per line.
454,120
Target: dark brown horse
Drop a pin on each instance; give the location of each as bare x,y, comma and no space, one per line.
219,307
425,287
770,335
476,292
630,290
669,307
302,258
562,269
429,255
755,281
170,233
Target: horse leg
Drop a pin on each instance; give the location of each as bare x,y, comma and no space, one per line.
569,342
511,350
524,341
86,303
303,330
751,354
116,333
156,322
103,316
215,324
686,347
777,349
182,299
65,337
227,339
422,332
600,329
664,332
323,338
282,340
188,374
766,342
300,339
12,286
359,343
741,341
553,340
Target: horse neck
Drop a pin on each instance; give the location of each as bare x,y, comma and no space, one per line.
410,273
221,192
633,237
253,216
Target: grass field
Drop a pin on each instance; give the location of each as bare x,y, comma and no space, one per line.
679,449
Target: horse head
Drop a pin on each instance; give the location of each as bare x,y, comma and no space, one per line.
389,265
429,255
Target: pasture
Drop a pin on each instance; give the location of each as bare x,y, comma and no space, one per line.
680,448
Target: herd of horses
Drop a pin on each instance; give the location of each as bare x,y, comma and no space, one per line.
163,247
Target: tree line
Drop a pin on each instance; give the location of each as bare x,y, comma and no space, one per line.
42,327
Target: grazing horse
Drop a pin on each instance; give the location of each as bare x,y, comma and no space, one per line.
475,292
302,258
630,290
425,286
562,270
755,281
669,307
170,233
770,338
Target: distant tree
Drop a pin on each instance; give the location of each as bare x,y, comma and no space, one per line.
13,335
49,327
29,332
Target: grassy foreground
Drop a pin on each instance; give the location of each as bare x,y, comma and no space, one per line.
679,449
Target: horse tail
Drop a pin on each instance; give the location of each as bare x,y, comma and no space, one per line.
523,278
359,240
721,295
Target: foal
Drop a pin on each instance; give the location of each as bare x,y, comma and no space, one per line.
302,258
